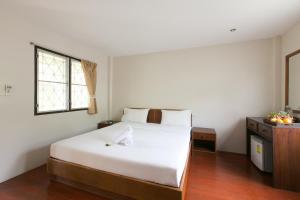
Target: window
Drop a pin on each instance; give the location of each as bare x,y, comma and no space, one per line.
79,90
59,83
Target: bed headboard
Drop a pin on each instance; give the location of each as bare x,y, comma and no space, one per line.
154,115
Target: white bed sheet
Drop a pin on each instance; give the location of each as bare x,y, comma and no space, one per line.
159,153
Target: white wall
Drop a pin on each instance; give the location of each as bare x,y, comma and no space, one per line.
276,71
25,138
220,84
290,43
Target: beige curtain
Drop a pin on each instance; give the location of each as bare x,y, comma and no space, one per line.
90,74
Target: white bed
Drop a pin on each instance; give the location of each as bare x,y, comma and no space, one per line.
159,153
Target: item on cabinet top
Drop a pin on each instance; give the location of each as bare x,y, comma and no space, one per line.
281,117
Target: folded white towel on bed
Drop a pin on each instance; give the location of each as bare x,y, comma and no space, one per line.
120,133
127,141
126,137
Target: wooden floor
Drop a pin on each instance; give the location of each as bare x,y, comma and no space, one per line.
223,176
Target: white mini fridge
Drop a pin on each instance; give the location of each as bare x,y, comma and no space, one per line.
262,153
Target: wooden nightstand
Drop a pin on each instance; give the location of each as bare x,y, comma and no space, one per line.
204,139
106,123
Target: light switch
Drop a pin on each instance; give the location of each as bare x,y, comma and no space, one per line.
8,89
5,89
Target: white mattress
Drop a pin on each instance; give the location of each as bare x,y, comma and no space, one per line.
159,153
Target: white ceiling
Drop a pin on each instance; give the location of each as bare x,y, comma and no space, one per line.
126,27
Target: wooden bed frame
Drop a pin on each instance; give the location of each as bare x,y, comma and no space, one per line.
116,186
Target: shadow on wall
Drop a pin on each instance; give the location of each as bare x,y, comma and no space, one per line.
36,157
28,161
235,135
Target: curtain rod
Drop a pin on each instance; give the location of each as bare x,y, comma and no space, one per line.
31,43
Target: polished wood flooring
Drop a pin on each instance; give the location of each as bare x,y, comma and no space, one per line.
221,176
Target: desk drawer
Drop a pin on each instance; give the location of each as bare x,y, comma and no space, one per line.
251,124
265,131
203,136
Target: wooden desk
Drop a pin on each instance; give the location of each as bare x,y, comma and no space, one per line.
286,150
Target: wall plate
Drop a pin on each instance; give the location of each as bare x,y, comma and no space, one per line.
8,89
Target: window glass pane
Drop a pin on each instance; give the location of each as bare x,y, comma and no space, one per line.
52,67
80,96
52,96
77,73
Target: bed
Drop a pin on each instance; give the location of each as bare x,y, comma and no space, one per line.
121,172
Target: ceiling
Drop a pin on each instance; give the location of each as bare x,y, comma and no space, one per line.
127,27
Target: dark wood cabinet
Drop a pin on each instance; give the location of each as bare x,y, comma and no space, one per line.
203,139
106,123
286,150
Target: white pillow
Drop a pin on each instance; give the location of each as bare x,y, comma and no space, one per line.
178,118
135,115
